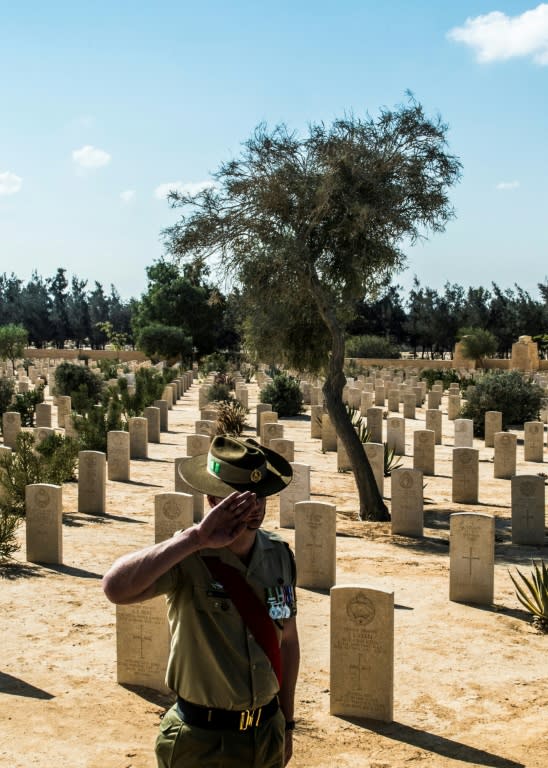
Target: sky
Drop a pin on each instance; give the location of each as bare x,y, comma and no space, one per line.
105,106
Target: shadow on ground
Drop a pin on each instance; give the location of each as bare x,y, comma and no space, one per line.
435,744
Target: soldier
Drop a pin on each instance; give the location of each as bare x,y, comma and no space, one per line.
230,589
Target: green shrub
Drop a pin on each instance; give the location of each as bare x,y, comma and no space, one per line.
149,386
446,375
284,394
61,456
25,403
370,346
92,427
214,362
518,398
7,389
51,462
108,368
80,384
8,530
219,393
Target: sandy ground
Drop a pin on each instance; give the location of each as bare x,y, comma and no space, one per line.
471,683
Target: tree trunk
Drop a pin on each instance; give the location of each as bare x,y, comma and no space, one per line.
372,507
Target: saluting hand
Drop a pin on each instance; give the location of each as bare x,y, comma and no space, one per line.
226,520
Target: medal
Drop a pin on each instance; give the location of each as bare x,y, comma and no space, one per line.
280,601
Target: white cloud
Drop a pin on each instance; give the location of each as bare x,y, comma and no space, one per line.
90,157
190,188
10,183
496,36
506,185
128,195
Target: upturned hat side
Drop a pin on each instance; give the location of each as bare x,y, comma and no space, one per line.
233,464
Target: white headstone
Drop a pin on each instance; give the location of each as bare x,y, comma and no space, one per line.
433,422
465,475
533,444
118,464
284,447
472,558
142,644
172,512
315,544
528,505
297,490
375,456
504,466
464,433
138,437
92,482
493,424
44,523
374,424
407,502
424,451
181,486
362,653
395,434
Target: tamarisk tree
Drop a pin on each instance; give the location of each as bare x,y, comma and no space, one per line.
307,226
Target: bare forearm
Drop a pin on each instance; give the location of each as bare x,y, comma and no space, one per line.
132,578
290,654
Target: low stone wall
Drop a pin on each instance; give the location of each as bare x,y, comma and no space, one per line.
93,354
418,363
405,364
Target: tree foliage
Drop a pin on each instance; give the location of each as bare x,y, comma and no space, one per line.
183,301
13,340
54,311
477,344
371,346
314,224
164,342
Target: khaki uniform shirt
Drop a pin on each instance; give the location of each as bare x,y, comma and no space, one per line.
214,659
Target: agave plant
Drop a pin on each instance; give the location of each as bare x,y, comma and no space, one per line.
532,593
357,422
391,460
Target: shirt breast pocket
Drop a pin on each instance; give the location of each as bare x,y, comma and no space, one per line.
213,600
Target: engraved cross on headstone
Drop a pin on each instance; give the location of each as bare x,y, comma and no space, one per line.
356,671
470,558
142,637
527,515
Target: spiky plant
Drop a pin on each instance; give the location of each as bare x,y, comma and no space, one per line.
357,422
532,593
391,460
231,416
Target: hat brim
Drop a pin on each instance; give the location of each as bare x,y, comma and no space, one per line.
279,474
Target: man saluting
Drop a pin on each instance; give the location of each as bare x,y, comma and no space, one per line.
230,590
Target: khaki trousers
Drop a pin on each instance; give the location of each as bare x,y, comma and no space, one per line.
179,745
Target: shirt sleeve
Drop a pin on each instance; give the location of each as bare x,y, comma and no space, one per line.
168,582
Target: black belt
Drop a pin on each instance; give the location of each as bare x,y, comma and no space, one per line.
225,719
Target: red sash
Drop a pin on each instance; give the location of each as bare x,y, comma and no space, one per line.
251,609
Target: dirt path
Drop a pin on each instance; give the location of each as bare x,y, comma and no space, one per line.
471,683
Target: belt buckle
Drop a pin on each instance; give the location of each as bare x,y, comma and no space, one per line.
249,718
